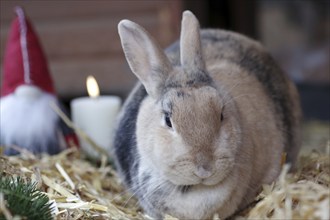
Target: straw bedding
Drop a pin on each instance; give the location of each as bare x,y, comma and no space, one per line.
79,189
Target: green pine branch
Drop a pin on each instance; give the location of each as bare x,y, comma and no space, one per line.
24,199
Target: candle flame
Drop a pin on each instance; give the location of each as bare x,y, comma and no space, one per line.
92,87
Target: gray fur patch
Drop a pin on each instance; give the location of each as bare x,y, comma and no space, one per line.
125,138
180,94
199,78
185,189
273,80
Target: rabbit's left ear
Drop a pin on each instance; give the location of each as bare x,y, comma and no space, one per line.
191,51
145,58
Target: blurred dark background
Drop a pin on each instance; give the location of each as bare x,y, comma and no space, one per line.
80,38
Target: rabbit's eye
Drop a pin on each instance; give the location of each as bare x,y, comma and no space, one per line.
168,121
221,117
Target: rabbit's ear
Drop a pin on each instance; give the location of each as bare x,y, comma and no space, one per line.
144,56
190,43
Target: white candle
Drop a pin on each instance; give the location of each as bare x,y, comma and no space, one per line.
95,115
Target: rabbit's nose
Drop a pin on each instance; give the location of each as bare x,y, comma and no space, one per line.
203,172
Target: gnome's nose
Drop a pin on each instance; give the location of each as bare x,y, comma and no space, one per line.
28,92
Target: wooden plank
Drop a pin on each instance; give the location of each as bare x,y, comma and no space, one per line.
82,39
65,10
112,75
69,76
91,38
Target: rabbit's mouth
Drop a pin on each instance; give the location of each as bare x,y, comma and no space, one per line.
187,174
209,182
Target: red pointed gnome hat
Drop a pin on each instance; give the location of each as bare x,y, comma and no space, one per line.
24,60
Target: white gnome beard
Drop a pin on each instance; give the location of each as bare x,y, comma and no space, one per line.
29,123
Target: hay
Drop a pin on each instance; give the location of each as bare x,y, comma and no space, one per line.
301,195
80,189
77,188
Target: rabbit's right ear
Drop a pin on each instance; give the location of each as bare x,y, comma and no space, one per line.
145,58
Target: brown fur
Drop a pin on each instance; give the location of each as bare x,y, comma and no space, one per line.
231,112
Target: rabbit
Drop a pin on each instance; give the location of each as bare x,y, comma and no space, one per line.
207,123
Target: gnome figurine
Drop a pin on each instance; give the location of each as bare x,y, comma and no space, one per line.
26,117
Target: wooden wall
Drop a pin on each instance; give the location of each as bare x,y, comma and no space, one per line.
80,38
